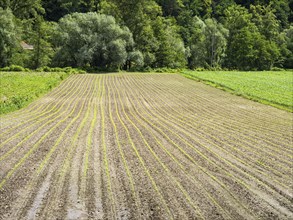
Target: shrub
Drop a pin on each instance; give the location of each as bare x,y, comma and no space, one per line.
14,68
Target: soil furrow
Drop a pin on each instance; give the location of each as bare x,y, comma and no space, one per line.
197,132
193,104
29,126
230,164
145,146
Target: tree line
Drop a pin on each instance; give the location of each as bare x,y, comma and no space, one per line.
140,34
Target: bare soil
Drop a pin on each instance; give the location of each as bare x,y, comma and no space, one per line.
145,146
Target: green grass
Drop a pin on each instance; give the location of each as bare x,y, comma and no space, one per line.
18,89
270,87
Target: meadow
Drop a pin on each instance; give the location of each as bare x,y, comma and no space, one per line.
18,89
269,87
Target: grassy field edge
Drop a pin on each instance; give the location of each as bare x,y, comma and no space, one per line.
16,95
235,92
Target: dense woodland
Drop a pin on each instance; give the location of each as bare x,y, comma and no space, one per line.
146,34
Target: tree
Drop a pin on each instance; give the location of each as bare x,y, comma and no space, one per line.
215,42
199,8
208,43
8,36
247,48
141,17
56,9
266,21
41,39
53,10
282,10
156,37
92,39
171,7
219,7
23,9
196,43
287,49
171,52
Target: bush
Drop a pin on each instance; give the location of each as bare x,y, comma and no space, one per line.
148,69
166,70
277,69
14,68
200,69
68,70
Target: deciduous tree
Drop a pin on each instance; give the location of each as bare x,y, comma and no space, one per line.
23,8
9,34
92,39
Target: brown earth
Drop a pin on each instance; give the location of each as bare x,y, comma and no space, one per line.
145,146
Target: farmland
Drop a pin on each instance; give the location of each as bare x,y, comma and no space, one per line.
18,89
145,146
268,87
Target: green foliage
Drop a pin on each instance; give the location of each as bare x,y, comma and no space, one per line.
134,60
219,7
208,44
273,88
53,10
41,38
248,49
92,39
171,52
287,47
198,8
39,35
166,70
265,20
156,33
8,36
20,88
23,8
171,7
13,68
142,18
68,70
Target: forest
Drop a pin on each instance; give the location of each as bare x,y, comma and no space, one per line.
147,34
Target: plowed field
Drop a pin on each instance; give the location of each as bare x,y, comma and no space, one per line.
145,146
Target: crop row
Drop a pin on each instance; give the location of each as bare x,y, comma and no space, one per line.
158,145
169,127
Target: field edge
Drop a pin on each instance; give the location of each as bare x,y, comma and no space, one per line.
234,92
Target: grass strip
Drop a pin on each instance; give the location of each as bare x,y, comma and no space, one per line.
194,118
270,88
37,130
18,89
35,107
34,119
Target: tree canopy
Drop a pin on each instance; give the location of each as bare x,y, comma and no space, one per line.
8,36
107,34
92,39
